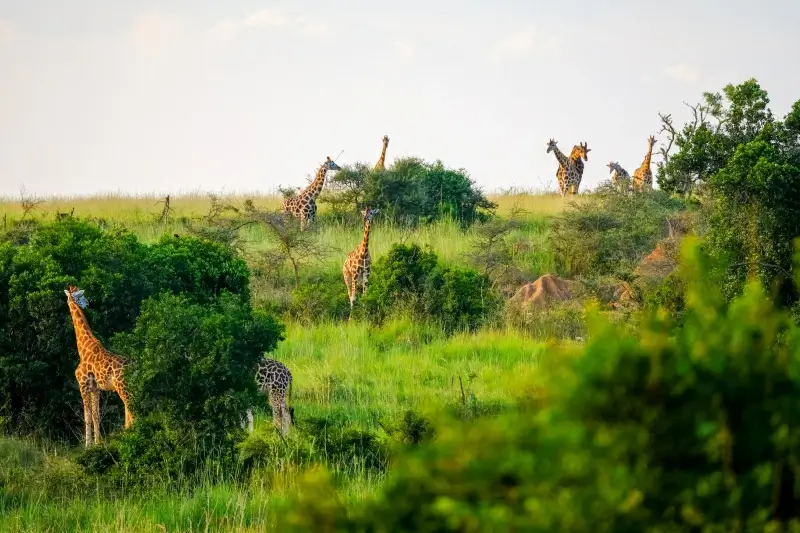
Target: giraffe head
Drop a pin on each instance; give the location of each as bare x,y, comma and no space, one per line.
651,141
612,166
369,213
551,145
331,164
385,139
76,295
583,151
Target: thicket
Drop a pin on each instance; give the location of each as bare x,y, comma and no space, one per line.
38,353
410,192
410,280
679,429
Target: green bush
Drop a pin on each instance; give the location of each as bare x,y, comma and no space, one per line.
38,353
195,363
410,280
410,192
694,428
322,296
610,231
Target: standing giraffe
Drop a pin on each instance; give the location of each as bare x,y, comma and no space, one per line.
304,206
563,162
572,180
98,369
357,266
619,176
275,380
382,159
643,176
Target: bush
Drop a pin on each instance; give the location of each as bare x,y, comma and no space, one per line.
410,192
38,353
322,297
195,364
687,429
409,280
610,231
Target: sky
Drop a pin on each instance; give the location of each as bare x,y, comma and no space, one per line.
179,96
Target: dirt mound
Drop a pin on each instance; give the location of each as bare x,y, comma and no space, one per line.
660,262
545,290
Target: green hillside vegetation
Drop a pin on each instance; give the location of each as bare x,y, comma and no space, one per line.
651,383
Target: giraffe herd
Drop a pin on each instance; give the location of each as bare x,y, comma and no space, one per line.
101,370
570,169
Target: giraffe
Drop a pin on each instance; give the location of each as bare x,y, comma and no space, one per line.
563,162
304,206
643,176
572,180
357,266
275,380
382,159
619,176
98,369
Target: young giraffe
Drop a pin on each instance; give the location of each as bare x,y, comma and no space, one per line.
619,176
382,159
275,380
563,161
643,176
357,266
98,370
304,206
572,180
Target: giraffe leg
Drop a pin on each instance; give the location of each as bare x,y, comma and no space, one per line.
348,281
87,413
353,289
250,420
364,280
96,414
286,418
123,395
277,413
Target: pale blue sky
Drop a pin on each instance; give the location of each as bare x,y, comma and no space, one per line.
244,95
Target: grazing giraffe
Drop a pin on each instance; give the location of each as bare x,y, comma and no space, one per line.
619,176
304,206
275,380
563,161
572,180
357,266
382,159
98,370
643,176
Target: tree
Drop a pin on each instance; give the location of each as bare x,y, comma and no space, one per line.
719,124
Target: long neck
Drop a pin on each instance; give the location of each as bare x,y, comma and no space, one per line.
646,162
575,154
382,159
365,241
562,159
80,323
315,188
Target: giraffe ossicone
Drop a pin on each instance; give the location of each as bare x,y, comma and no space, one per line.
98,369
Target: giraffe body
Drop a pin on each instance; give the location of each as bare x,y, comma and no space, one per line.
643,176
570,169
380,165
304,205
98,369
619,176
275,380
358,265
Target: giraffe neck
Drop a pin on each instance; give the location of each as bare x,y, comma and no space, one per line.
562,159
81,325
365,241
575,155
646,162
382,158
315,187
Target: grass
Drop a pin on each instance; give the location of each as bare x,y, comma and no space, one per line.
352,373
